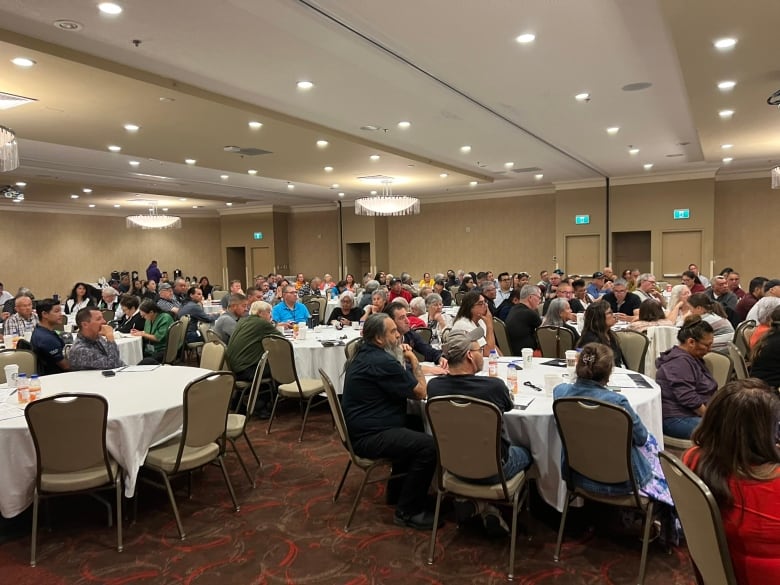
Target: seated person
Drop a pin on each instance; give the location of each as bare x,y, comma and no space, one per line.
762,312
559,314
622,302
597,328
290,310
155,331
736,455
346,313
227,321
765,363
166,301
412,339
131,318
418,313
686,383
24,320
376,389
523,319
47,345
194,308
465,361
378,304
437,320
651,314
713,313
109,301
474,314
594,367
78,299
94,348
440,289
503,311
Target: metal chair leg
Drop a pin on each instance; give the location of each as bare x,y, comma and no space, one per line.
510,576
305,418
359,495
435,527
557,555
174,507
341,483
229,485
252,449
273,414
34,543
241,462
119,490
645,542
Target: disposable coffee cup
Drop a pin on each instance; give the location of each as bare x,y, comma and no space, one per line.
528,357
571,361
355,324
11,374
550,382
302,332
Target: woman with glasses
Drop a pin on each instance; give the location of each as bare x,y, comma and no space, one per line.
713,313
436,319
473,313
597,328
346,312
692,281
559,314
686,384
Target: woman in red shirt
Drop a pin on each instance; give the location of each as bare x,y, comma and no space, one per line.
737,456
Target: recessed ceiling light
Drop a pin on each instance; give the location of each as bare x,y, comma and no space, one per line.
328,169
582,97
117,206
526,38
726,85
726,114
335,186
165,209
539,176
114,148
341,194
290,186
196,206
91,205
132,127
224,177
372,193
23,62
305,85
443,175
648,166
86,190
68,25
727,159
252,171
638,86
465,149
726,146
509,165
74,196
725,43
374,157
134,163
182,199
612,130
110,8
255,125
229,204
404,124
369,127
633,151
190,161
473,183
167,99
21,184
322,143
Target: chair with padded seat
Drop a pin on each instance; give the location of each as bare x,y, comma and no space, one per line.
705,537
597,440
202,439
174,343
367,466
742,335
633,346
281,359
24,358
218,295
313,306
502,340
236,423
737,361
554,342
719,366
69,435
211,335
467,433
661,338
351,347
426,333
212,356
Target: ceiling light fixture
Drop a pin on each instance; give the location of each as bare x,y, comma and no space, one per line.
403,125
91,205
473,183
509,165
224,177
387,204
114,148
341,194
726,114
229,204
727,159
305,85
328,169
465,149
374,157
20,184
190,161
134,163
582,97
443,175
110,8
612,130
86,190
153,220
9,150
648,166
290,186
22,62
539,176
725,43
252,171
526,38
132,127
633,151
726,85
775,172
322,143
255,125
726,146
74,196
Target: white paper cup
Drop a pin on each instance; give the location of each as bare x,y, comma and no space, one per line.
571,361
355,324
11,374
550,382
302,333
335,322
528,357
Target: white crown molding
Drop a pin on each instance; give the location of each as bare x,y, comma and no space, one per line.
660,177
36,207
742,175
581,184
245,210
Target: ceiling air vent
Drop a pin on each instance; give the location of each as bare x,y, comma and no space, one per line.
249,151
9,100
528,170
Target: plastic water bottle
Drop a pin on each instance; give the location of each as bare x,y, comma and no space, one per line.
22,389
493,363
35,388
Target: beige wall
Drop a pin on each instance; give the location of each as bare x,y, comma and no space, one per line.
49,252
592,202
314,243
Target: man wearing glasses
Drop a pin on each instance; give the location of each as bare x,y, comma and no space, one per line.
523,319
646,289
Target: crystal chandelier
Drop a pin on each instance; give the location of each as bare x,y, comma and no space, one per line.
387,204
154,221
9,150
775,173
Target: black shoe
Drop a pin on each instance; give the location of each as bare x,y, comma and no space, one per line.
419,521
495,527
465,510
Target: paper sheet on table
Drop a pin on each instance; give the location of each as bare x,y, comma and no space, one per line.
621,381
144,368
8,411
522,402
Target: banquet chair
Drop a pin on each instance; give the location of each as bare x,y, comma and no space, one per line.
742,335
211,335
737,361
69,435
459,297
202,438
212,356
313,306
719,366
445,333
364,464
454,294
701,521
109,316
236,423
554,342
633,346
426,333
467,432
218,295
502,341
24,358
281,358
597,439
174,343
351,347
661,338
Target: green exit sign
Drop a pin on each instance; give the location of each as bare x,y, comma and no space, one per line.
581,219
682,214
257,235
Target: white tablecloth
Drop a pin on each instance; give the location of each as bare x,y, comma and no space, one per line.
332,304
310,355
143,407
130,348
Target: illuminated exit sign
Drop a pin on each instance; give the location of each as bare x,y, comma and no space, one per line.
257,235
682,214
581,219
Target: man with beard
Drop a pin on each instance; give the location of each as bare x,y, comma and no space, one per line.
376,389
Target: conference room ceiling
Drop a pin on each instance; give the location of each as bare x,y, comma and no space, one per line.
201,71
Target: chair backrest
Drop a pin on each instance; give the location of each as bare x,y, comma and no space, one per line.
633,346
338,414
212,355
323,301
175,340
351,347
661,338
185,320
426,333
22,343
206,402
211,335
281,358
204,327
596,437
109,316
719,366
467,432
554,342
742,335
257,381
69,433
502,341
23,358
313,305
445,333
737,361
701,521
454,294
218,295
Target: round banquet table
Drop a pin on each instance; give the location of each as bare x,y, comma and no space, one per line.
144,407
130,348
310,354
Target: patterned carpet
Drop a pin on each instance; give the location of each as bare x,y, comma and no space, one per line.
290,532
